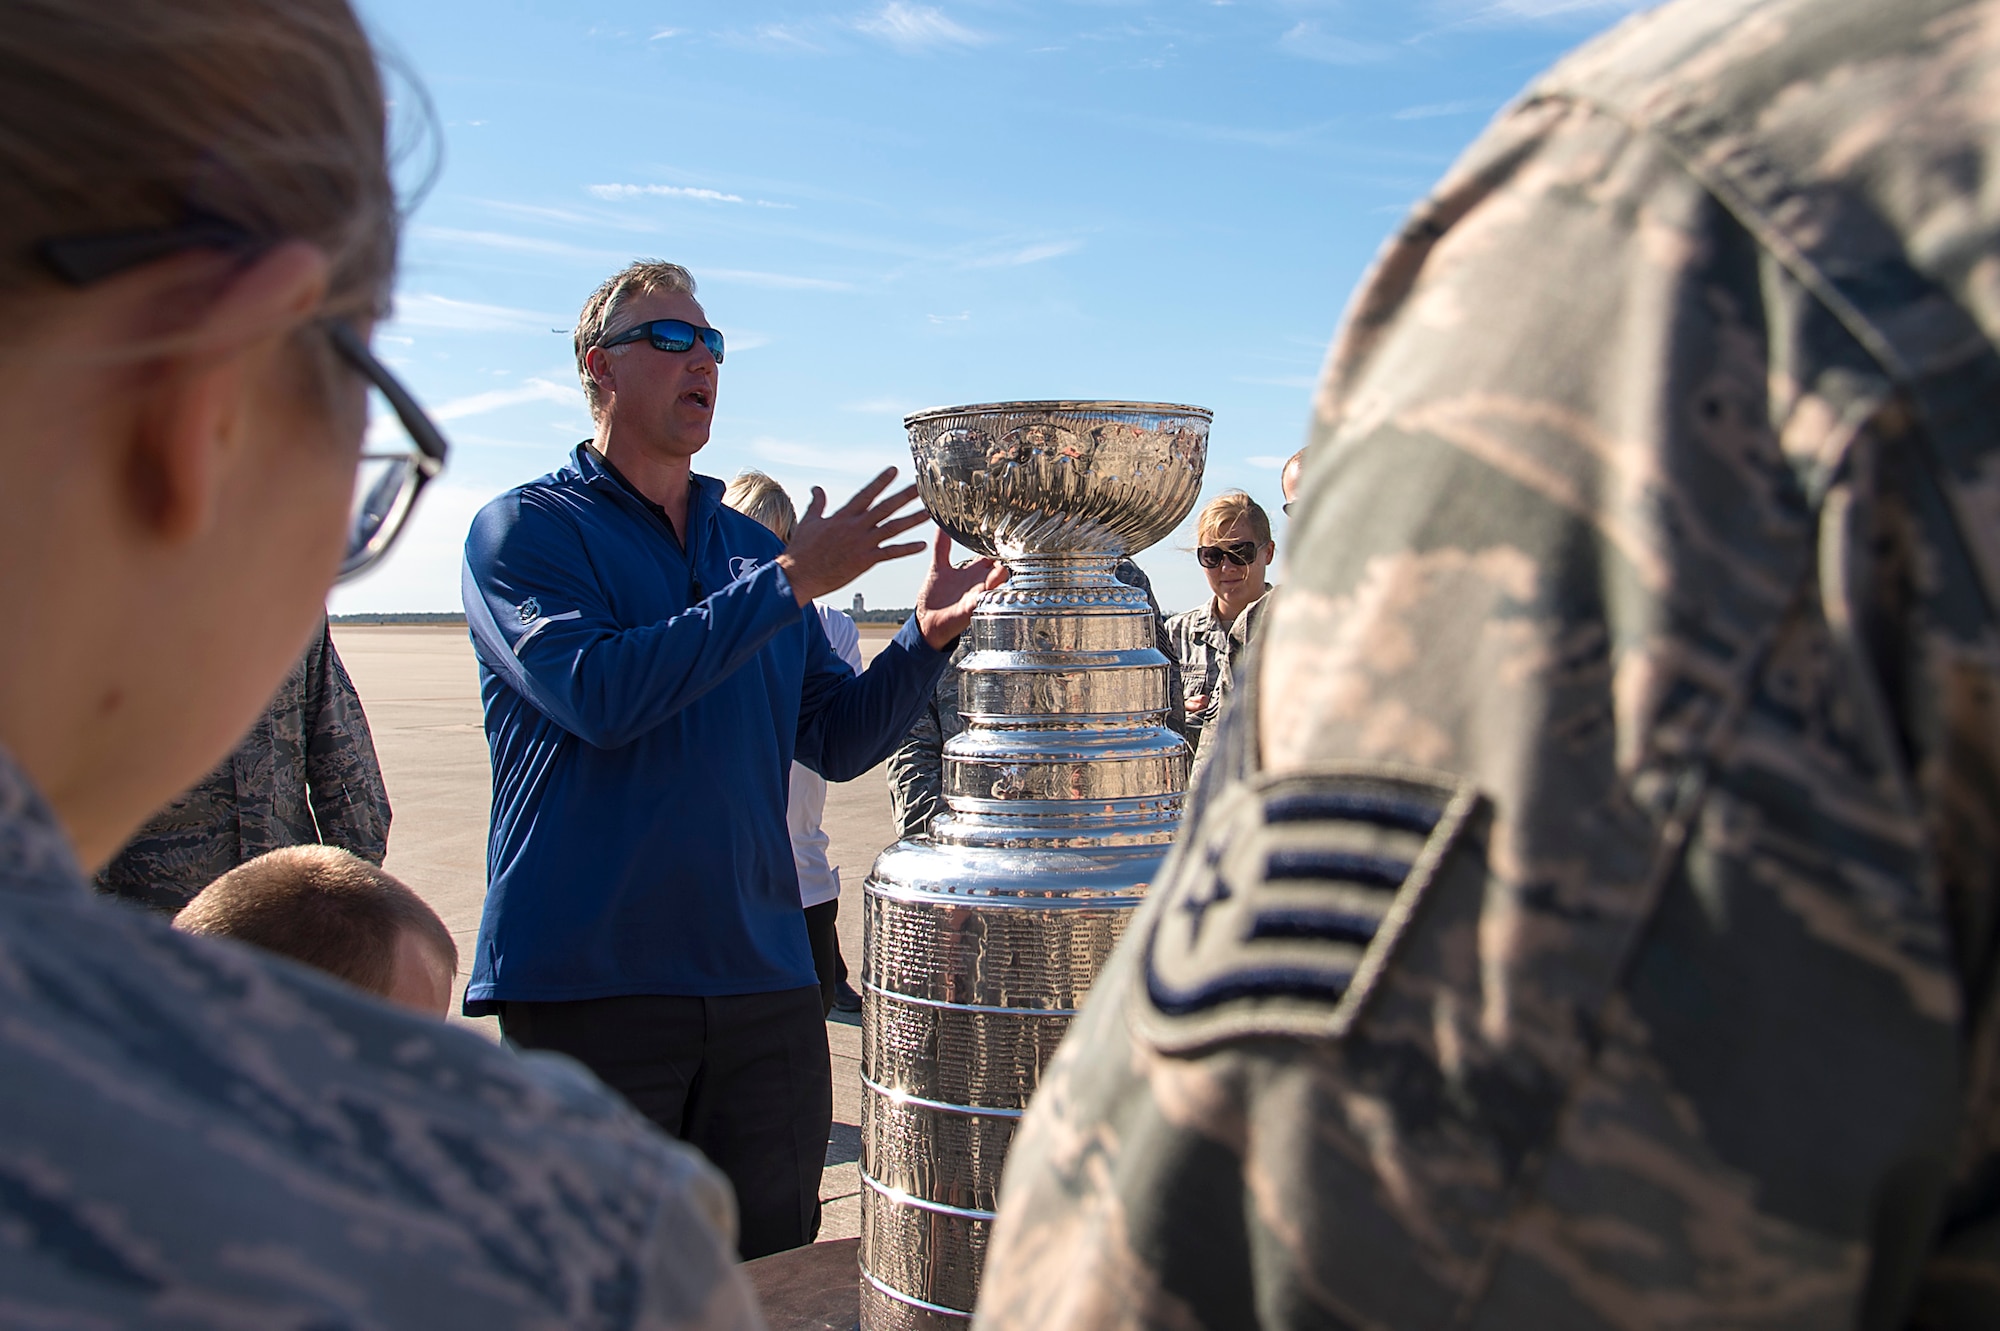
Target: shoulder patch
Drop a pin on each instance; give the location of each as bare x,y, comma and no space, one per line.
1283,909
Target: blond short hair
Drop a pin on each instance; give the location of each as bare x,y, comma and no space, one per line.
641,277
755,495
320,905
1222,512
136,115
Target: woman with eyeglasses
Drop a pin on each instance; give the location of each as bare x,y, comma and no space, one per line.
199,234
1233,542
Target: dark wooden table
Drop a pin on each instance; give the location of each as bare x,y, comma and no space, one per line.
811,1288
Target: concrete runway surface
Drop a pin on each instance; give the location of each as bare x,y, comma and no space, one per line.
420,688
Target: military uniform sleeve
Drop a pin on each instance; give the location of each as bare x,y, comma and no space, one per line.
336,1161
916,768
1132,575
1561,934
1176,686
350,803
688,1276
1181,647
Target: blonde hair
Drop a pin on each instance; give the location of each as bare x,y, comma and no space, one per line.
138,115
642,277
755,495
320,905
1222,512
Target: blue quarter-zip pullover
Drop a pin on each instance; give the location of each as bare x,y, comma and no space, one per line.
644,702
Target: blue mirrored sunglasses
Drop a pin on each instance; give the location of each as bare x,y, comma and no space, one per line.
670,335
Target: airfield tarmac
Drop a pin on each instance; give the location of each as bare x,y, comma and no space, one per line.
420,688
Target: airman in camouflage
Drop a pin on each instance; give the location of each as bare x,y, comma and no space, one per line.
305,774
1589,916
1212,641
916,770
333,1161
200,227
1209,653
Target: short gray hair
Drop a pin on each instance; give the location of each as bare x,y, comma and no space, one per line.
755,495
641,277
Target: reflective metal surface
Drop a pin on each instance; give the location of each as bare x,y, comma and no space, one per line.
1055,478
1063,792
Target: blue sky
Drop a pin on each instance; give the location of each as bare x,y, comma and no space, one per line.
893,206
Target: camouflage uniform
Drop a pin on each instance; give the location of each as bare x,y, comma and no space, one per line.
1589,915
1208,652
200,1135
305,773
916,770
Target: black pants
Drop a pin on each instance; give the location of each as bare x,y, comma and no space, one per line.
827,961
745,1079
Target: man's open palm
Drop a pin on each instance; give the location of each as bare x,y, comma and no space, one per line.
829,550
944,606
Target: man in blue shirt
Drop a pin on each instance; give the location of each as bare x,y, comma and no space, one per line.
650,668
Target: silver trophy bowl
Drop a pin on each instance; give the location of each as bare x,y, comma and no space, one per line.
1063,794
1053,478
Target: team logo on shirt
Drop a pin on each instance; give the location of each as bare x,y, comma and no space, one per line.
740,567
529,610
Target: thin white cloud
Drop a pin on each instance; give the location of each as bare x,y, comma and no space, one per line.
501,240
959,318
665,191
1265,460
1432,110
1519,13
773,281
599,218
793,37
423,309
1312,42
1299,136
665,33
535,390
821,459
747,341
1534,11
1050,249
913,29
533,245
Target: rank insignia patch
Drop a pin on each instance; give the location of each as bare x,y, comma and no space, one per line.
1283,908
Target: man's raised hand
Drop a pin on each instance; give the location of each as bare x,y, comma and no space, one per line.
944,606
828,552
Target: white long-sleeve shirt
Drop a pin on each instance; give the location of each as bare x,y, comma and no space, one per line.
819,881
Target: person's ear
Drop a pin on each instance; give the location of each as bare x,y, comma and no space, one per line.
598,361
198,390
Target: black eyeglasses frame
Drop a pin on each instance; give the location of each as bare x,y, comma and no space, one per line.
425,466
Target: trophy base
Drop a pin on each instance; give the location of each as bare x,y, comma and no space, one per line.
883,1310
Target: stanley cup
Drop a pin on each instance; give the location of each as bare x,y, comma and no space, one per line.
1063,793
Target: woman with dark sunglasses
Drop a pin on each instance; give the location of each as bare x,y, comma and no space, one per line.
197,233
1234,546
